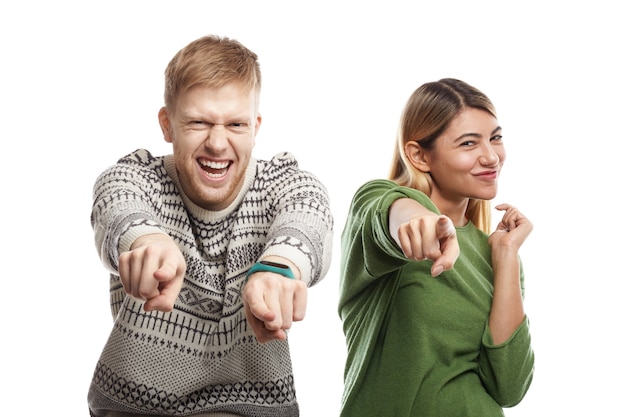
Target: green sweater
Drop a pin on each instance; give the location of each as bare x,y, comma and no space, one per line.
418,345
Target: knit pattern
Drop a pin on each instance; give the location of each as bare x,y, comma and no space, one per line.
202,356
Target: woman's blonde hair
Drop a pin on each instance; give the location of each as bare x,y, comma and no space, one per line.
427,114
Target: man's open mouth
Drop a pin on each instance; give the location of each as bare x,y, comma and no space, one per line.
215,169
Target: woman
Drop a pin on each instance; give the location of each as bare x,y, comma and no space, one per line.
431,302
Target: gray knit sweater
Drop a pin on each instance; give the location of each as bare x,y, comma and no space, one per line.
203,356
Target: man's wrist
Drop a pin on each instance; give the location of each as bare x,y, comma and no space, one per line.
271,266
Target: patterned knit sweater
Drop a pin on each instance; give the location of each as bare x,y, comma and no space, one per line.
202,356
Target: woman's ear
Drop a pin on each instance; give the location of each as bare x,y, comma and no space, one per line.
417,156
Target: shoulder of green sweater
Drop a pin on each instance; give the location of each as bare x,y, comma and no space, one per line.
372,188
378,183
389,191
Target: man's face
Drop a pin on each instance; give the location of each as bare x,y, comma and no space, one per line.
212,131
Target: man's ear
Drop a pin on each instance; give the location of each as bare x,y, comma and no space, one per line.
257,125
164,122
417,156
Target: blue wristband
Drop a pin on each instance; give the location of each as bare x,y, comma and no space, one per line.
268,266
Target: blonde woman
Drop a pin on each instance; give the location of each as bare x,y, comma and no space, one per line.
432,300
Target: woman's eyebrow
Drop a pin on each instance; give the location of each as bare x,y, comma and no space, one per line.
477,135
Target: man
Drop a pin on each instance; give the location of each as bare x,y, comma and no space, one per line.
210,252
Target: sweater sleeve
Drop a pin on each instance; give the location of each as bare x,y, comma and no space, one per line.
302,226
507,369
123,208
368,250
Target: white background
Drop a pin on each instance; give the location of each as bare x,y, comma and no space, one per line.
81,84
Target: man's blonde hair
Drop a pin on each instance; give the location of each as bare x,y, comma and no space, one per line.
211,61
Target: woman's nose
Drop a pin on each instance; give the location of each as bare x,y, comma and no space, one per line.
489,157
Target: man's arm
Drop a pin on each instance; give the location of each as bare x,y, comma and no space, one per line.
153,271
273,302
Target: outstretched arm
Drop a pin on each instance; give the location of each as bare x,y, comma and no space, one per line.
153,271
273,302
423,234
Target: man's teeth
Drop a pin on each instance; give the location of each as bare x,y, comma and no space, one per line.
214,165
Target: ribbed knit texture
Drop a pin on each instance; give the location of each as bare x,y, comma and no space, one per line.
420,346
202,356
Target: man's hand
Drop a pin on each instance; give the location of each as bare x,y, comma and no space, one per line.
272,303
153,271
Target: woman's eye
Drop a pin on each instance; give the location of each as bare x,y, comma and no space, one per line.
497,138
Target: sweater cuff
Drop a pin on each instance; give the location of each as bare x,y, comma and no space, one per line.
522,331
135,232
295,255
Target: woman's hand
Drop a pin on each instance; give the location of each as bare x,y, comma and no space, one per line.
511,231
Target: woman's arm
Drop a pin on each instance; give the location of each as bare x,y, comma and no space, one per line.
422,234
507,309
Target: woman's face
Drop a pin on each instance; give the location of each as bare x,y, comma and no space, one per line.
466,159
